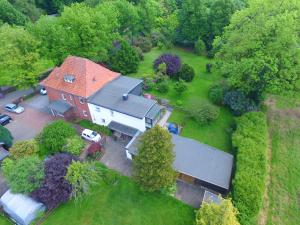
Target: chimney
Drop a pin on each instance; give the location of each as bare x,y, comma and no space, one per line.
125,97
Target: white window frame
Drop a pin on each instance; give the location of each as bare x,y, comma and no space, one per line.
71,98
103,120
81,100
97,109
84,112
111,112
63,96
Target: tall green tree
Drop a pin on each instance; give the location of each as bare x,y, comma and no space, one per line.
153,164
217,214
5,137
28,8
259,51
20,60
10,15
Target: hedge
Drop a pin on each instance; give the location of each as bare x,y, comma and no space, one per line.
250,140
95,127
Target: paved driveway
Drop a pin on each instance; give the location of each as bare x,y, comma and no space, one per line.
28,124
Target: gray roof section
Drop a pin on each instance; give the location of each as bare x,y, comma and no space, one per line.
110,96
124,129
199,160
3,153
154,111
60,106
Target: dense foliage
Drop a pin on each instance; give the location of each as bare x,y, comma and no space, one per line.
6,137
123,58
55,189
74,145
153,165
54,136
23,148
10,15
216,93
23,175
202,111
199,47
186,73
260,53
218,214
251,141
103,130
180,87
172,62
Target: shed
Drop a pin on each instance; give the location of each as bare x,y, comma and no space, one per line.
21,208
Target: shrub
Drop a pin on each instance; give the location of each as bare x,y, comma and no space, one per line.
208,67
162,87
95,127
187,73
250,139
54,136
74,145
199,47
94,148
139,52
173,64
123,58
239,103
180,87
55,189
151,172
143,43
148,84
23,148
216,93
203,112
23,175
81,176
221,214
6,137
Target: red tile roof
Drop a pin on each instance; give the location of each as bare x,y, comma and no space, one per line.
89,77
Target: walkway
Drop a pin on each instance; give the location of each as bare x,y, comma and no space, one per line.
162,122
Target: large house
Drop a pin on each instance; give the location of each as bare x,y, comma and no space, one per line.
70,85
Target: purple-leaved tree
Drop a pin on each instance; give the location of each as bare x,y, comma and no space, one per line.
173,64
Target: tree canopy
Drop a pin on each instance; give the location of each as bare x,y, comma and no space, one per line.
6,137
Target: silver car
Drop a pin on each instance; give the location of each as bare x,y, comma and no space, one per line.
14,108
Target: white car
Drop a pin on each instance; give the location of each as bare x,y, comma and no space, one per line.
14,108
43,91
90,135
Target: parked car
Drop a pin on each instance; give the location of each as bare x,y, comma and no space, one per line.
43,91
5,119
14,108
90,135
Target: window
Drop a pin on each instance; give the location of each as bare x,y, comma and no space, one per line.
69,78
81,100
63,96
103,120
97,108
111,113
84,113
71,97
149,121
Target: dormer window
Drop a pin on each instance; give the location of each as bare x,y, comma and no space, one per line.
69,78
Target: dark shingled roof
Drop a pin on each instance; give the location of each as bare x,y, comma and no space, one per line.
124,129
110,96
60,106
154,111
198,160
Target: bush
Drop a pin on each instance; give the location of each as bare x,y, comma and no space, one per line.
148,84
74,145
23,175
173,64
143,43
187,73
203,112
239,103
216,93
180,87
208,67
54,137
95,127
250,139
6,137
139,52
200,47
55,189
162,87
123,58
22,149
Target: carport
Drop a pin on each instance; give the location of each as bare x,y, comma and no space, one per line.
61,108
122,131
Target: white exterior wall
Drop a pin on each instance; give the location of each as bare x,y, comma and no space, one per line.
99,113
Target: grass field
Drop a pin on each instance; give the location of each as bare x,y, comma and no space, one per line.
123,203
4,221
216,134
284,189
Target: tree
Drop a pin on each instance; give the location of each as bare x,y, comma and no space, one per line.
6,137
54,136
28,8
10,15
258,51
74,145
81,176
203,112
23,149
187,73
180,87
218,214
55,189
173,64
123,58
20,60
199,47
23,175
153,164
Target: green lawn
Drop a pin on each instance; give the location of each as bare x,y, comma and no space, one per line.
216,134
4,221
123,203
284,192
